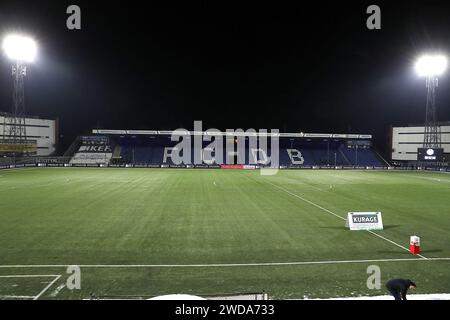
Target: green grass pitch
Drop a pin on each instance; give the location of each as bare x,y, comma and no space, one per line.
131,229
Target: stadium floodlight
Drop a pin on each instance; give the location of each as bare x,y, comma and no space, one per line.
19,48
431,65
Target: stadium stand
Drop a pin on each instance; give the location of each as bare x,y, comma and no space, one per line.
155,150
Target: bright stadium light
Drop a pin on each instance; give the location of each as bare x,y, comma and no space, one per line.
20,48
431,65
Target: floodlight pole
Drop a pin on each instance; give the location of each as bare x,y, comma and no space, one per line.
432,134
14,129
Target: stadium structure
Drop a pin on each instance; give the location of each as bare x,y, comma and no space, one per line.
153,148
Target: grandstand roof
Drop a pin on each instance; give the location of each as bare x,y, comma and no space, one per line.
232,133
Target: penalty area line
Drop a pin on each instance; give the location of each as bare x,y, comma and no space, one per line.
55,276
47,287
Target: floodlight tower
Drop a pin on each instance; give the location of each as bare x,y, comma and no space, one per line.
21,50
431,67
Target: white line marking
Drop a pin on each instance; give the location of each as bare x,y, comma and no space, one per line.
47,287
338,216
306,200
16,297
29,275
394,243
220,264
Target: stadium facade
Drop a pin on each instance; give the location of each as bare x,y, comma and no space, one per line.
407,140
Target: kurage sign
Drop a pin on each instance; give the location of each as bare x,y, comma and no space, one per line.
364,221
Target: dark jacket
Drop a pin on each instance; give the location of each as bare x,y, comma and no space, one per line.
399,286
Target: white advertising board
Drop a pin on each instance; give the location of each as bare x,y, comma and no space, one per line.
364,221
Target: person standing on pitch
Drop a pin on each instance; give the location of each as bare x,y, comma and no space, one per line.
398,288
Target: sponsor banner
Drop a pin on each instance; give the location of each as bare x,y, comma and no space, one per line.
317,135
154,166
102,131
201,166
166,132
97,148
364,221
95,139
248,167
149,132
337,135
289,135
54,165
299,167
232,166
18,147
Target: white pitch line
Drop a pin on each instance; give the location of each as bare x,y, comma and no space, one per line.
47,287
306,200
30,275
338,216
394,243
16,297
220,265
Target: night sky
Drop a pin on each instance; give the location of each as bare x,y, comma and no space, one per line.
292,66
